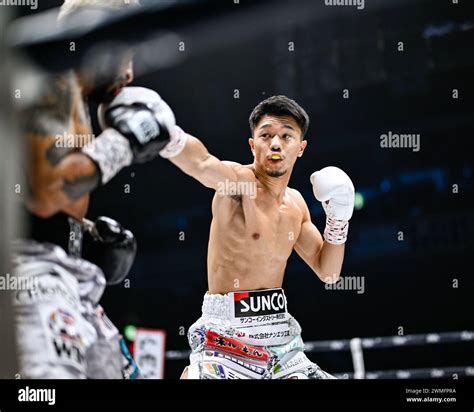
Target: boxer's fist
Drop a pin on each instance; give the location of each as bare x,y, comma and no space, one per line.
143,117
111,247
334,189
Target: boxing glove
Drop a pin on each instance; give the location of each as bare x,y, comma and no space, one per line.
335,190
111,247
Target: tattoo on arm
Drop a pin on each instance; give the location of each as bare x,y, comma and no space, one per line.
52,117
82,185
55,155
79,175
51,114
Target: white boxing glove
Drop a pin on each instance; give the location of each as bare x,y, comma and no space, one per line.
334,189
170,139
130,96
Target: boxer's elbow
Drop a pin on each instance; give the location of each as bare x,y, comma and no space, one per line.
327,267
197,167
326,274
330,278
207,170
203,164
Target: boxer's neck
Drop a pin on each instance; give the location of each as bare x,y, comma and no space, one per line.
275,185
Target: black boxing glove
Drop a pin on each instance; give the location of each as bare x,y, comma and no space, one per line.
111,247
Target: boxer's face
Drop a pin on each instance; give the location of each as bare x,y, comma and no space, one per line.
123,78
105,86
276,144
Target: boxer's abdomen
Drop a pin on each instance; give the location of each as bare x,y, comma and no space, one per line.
250,244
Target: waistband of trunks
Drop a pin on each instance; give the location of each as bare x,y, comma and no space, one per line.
55,230
32,258
227,307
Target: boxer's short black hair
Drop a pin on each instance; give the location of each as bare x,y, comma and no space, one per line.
280,106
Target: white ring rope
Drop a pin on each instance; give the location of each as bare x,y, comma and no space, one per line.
367,343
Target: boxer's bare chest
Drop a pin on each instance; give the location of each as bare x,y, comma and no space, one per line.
260,226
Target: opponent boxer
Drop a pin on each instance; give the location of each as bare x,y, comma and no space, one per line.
245,330
62,331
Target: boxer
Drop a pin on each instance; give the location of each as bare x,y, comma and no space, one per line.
61,329
245,330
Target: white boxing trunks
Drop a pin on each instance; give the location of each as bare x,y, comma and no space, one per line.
249,335
62,331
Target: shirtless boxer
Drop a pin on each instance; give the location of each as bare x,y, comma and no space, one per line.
245,330
62,331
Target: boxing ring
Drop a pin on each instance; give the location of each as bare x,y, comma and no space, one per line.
357,346
44,46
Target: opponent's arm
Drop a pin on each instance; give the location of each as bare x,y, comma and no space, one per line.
58,175
136,127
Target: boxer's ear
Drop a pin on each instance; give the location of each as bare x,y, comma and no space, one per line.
252,146
303,145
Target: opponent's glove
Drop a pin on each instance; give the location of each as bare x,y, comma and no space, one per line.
111,247
334,189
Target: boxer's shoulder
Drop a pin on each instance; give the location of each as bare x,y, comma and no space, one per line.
244,172
297,199
47,109
295,195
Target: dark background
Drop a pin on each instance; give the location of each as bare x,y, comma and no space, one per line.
408,283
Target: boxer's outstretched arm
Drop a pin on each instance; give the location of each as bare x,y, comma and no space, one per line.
198,163
323,258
